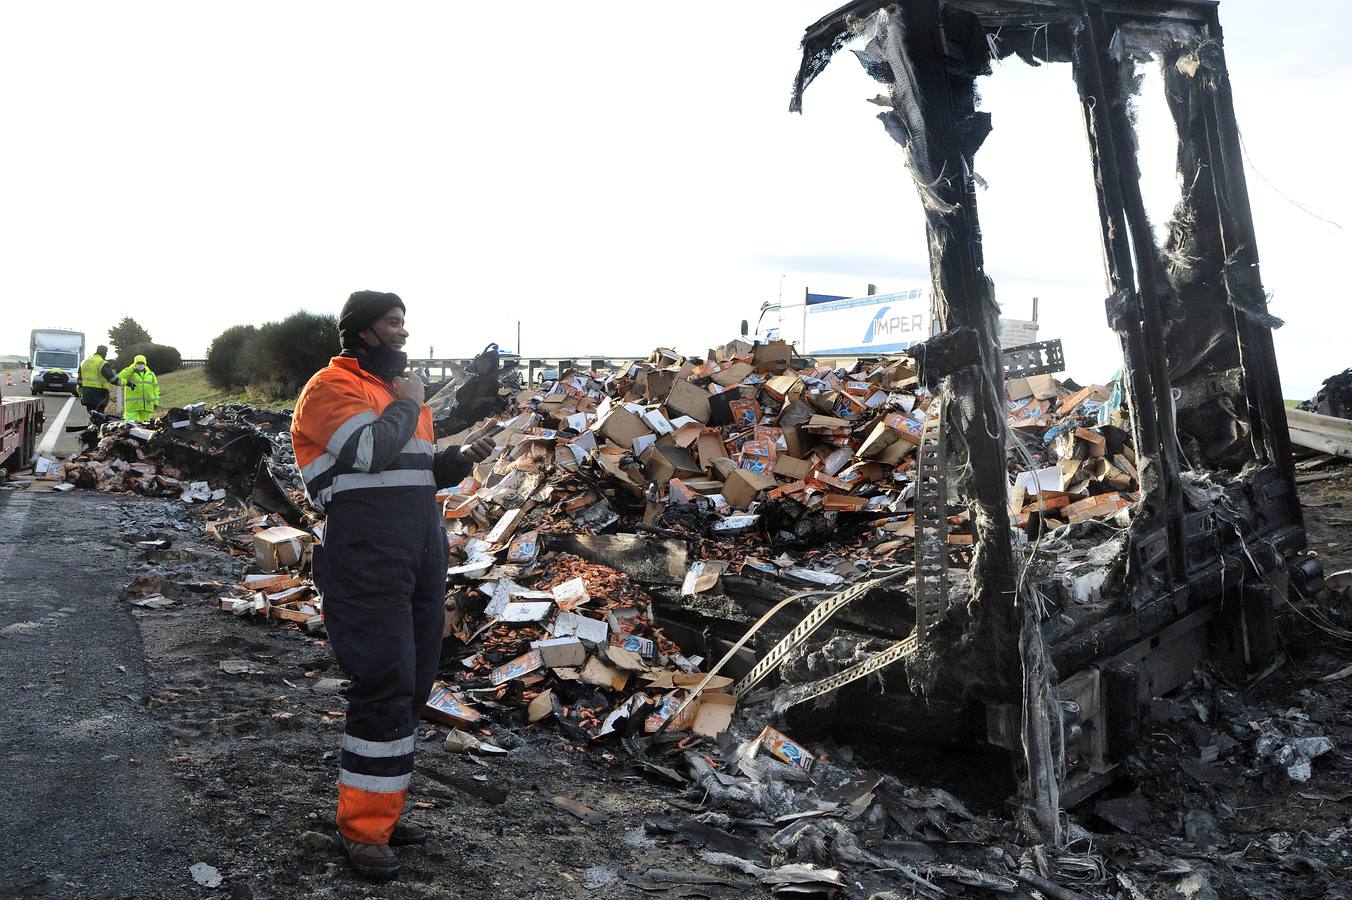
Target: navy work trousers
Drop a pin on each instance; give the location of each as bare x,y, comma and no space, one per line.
382,572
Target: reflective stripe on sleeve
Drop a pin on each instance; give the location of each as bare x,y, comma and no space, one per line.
415,445
323,462
347,429
361,458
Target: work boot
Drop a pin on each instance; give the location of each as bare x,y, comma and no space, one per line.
406,834
374,861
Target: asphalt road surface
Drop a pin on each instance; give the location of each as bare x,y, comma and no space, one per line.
91,808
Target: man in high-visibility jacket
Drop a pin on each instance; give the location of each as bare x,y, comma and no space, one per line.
97,378
364,441
140,392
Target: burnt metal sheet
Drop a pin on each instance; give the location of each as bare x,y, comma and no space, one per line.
1041,358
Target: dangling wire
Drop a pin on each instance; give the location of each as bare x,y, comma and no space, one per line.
1300,206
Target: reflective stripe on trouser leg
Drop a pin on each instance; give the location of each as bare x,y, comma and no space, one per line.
372,785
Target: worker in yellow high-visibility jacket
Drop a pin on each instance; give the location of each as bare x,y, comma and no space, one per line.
97,378
141,392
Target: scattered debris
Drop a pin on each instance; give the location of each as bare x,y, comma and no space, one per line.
580,810
1334,397
205,875
1326,434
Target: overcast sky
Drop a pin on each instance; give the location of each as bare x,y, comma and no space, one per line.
615,176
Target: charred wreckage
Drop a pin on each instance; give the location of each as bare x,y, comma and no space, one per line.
1216,538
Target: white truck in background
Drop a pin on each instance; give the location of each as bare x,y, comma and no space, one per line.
54,355
827,326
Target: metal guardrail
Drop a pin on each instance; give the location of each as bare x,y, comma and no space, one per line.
1044,356
533,368
440,367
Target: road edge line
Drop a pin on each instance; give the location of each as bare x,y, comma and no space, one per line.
56,429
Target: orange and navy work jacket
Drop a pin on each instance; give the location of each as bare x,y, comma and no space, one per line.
356,439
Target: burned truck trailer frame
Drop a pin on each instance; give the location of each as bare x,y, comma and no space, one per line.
1217,530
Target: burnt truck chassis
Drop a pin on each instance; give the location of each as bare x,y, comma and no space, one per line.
1216,538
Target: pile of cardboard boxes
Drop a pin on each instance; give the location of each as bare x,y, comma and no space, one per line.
278,588
581,647
710,452
1077,439
728,435
748,431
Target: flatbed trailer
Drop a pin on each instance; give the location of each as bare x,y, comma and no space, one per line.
21,421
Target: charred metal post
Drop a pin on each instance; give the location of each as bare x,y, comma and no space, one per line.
1132,263
1200,328
1243,281
929,54
946,50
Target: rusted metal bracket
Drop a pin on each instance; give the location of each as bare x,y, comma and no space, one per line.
931,524
1041,358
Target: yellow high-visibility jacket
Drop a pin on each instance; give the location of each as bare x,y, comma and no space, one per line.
91,373
141,396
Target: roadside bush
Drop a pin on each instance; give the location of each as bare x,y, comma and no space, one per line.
227,357
161,358
284,354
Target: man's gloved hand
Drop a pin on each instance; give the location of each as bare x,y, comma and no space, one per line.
479,445
411,388
478,451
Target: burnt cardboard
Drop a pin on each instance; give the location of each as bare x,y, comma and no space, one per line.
795,413
733,374
792,467
742,485
621,427
772,357
279,547
664,462
686,399
720,406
